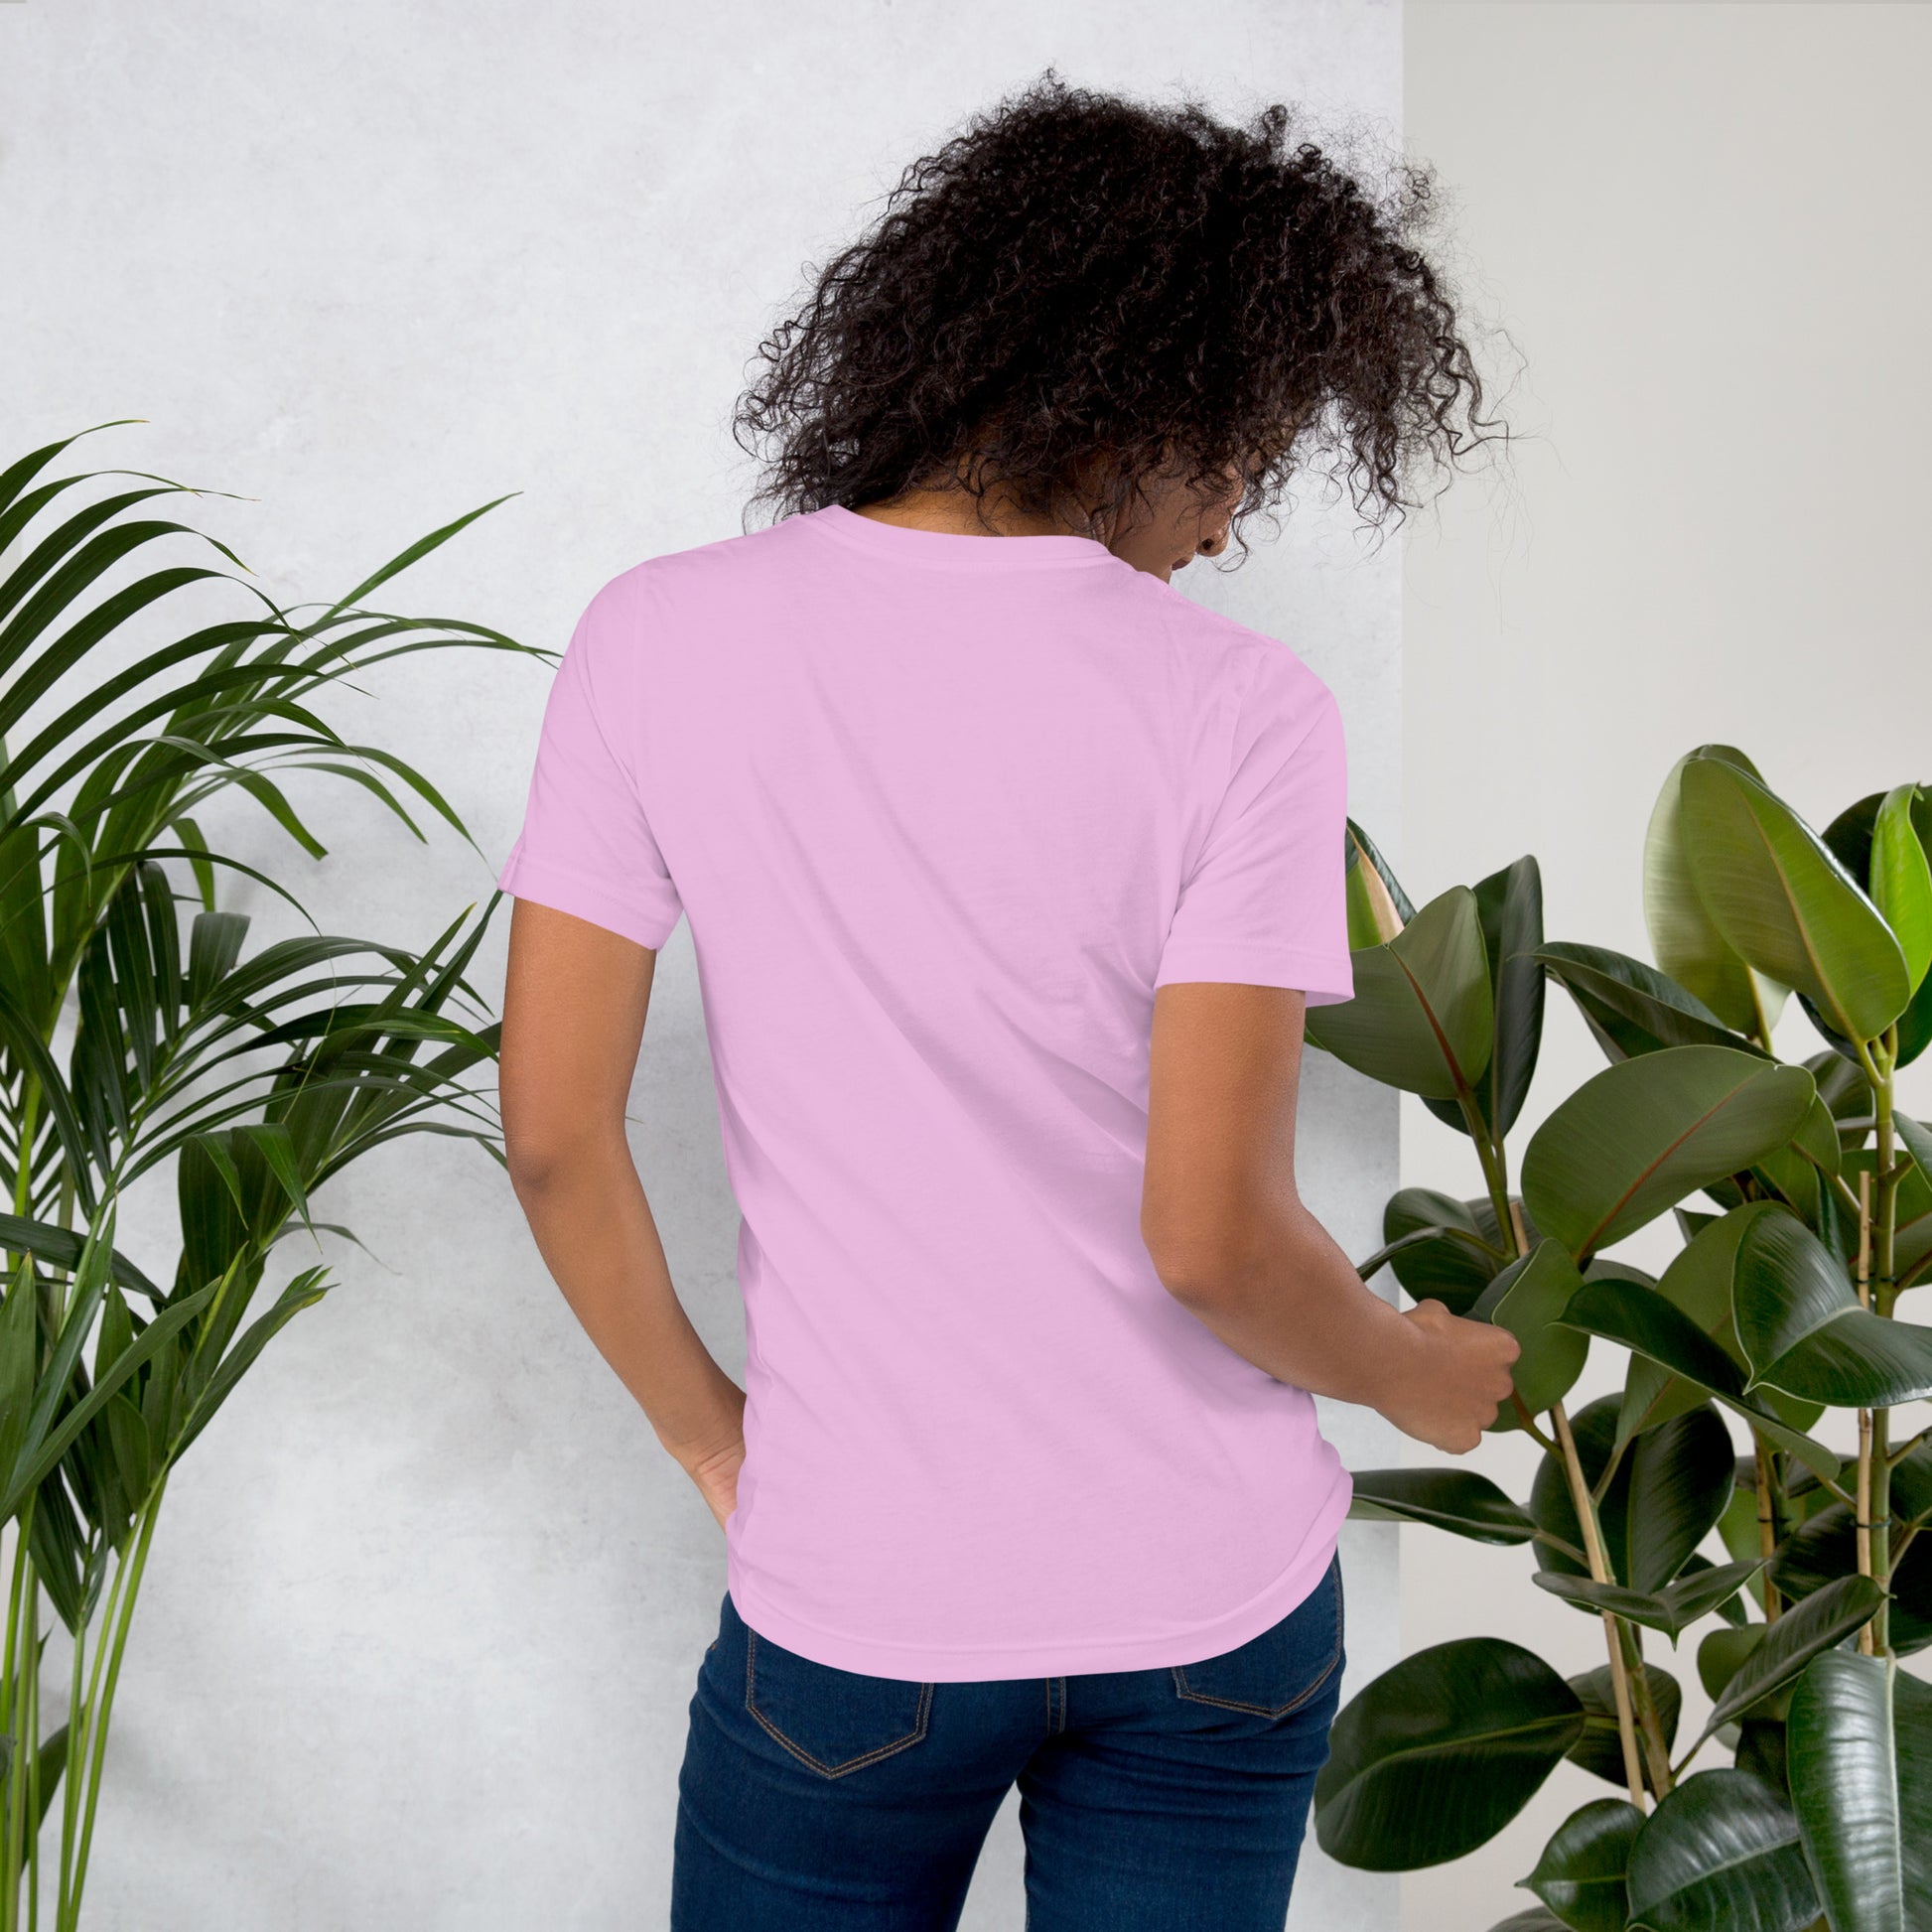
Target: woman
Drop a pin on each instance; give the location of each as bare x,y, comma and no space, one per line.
1009,873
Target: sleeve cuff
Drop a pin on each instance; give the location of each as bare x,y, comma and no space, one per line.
583,898
1323,979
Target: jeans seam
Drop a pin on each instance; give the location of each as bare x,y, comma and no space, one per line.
1294,1702
798,1751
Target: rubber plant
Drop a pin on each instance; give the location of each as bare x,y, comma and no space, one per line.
1804,1199
142,1040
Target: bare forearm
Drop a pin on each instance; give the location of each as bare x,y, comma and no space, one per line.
594,1230
1291,1301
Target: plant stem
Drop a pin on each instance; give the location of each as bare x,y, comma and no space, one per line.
1862,1489
129,1571
1767,1529
1840,1192
21,1703
1845,1496
17,1590
1516,1223
1569,1549
1626,1728
23,1589
1526,1423
1874,1507
1862,1523
1877,1512
29,1121
30,1661
1599,1569
1864,1240
80,1724
1611,1463
77,1729
34,1756
1495,1174
1656,1749
1495,1177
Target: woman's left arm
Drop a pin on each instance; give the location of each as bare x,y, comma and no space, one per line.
574,1010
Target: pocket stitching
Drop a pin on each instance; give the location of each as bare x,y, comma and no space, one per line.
799,1751
1271,1710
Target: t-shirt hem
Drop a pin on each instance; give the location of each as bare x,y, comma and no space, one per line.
970,1663
1319,977
548,885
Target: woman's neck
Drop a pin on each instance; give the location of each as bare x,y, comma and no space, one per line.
954,510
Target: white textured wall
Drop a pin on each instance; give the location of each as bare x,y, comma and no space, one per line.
1704,225
427,1604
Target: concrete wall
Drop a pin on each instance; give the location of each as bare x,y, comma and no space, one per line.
1703,226
424,1613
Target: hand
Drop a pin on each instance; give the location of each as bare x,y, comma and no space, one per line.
1451,1392
716,1474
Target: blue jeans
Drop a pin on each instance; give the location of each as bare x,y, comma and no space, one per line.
813,1799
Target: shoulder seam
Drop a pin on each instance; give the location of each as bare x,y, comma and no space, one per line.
1324,701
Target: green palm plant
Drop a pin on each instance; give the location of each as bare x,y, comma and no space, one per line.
1804,1198
139,1036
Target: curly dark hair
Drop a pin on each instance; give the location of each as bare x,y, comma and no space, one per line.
1078,292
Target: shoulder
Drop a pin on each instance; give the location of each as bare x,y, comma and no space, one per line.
1260,680
700,571
750,560
669,595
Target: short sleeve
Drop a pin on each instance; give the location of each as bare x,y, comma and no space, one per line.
1264,904
586,847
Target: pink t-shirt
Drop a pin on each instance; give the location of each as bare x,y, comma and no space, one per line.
942,812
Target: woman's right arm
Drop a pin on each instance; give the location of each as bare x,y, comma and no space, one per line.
1232,1242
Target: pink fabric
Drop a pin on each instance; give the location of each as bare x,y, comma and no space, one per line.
942,812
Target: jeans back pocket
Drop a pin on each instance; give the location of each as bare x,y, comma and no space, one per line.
1282,1669
834,1720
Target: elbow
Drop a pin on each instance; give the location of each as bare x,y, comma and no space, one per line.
1202,1267
533,1168
541,1163
555,1151
1223,1252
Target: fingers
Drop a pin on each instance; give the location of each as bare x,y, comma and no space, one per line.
1475,1378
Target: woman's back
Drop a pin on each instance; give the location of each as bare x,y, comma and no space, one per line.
942,811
